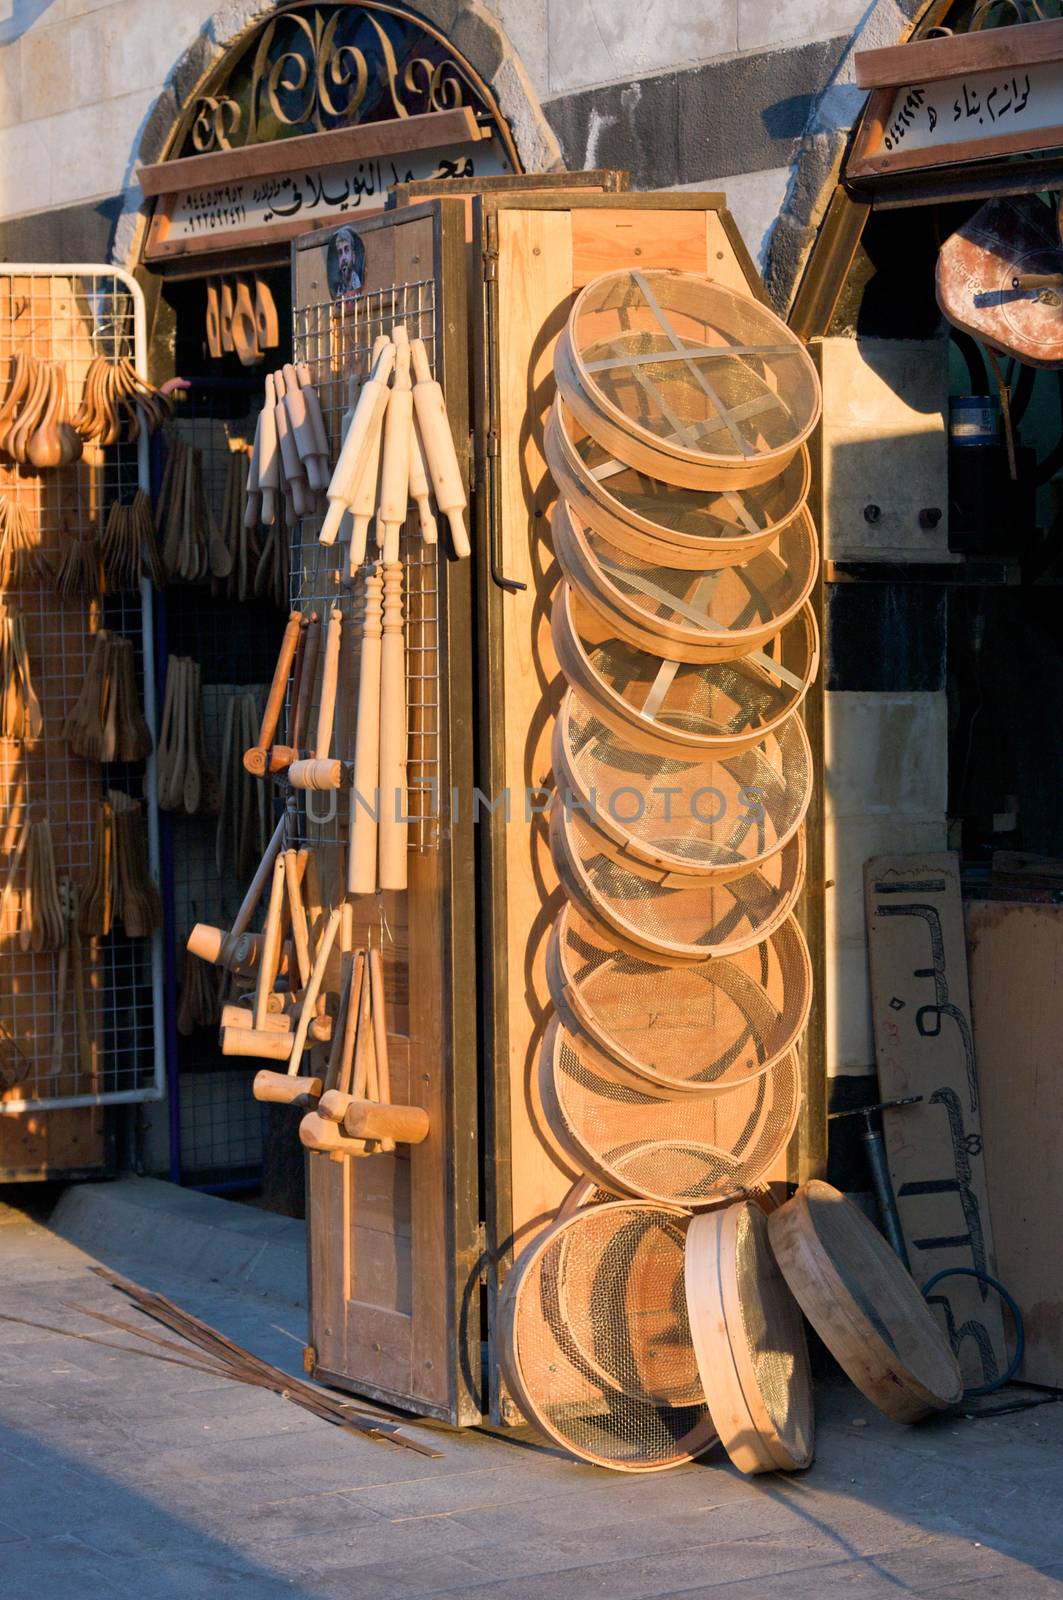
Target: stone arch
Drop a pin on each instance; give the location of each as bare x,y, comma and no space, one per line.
468,26
816,168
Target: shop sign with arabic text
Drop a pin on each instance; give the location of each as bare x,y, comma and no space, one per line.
974,116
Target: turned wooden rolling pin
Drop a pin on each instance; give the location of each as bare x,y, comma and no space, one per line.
301,431
420,486
395,462
391,872
318,772
269,464
364,500
439,449
368,413
256,760
294,473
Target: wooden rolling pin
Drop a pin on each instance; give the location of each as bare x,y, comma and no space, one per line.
364,500
395,462
368,1119
256,760
391,873
365,795
301,431
368,414
294,474
420,487
439,449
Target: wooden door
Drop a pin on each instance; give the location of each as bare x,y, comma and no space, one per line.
395,1274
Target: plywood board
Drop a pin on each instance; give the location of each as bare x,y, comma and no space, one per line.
1015,957
924,1046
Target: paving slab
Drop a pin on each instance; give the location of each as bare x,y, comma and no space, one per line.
123,1475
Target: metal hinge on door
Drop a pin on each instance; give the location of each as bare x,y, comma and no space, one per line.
490,263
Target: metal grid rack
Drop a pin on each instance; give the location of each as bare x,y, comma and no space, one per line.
335,339
68,315
216,1125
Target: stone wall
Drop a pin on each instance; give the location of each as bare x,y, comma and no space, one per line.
718,93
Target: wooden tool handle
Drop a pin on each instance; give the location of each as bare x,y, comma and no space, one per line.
341,1067
393,824
255,760
313,988
234,1016
380,1039
297,912
249,905
271,951
366,1119
365,797
301,718
278,1089
329,679
317,1133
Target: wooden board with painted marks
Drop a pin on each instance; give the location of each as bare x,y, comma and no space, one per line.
924,1046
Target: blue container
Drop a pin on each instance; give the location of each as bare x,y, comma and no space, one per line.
974,420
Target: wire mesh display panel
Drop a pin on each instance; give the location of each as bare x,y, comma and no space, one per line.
69,315
218,1124
335,339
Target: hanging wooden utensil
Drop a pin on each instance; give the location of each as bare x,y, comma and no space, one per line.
266,322
368,416
438,441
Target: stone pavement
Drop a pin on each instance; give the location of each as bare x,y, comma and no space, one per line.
122,1476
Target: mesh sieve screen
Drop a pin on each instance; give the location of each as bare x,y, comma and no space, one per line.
673,917
694,1027
691,1150
599,1341
725,812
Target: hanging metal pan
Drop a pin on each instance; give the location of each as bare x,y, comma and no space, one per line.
713,818
675,918
656,521
594,1340
687,616
685,380
699,1029
750,1341
676,708
863,1304
688,1150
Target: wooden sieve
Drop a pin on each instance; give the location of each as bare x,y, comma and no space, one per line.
698,1029
677,919
656,521
594,1340
750,1341
688,616
676,708
634,1139
685,380
863,1304
711,818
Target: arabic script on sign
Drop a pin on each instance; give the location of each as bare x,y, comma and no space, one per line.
984,106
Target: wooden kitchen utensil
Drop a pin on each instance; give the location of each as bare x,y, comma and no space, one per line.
395,460
420,485
438,441
22,561
20,709
366,420
863,1304
266,321
749,1340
